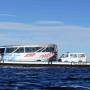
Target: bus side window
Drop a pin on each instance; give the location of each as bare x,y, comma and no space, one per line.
64,56
48,49
20,50
81,55
10,50
73,55
32,49
28,49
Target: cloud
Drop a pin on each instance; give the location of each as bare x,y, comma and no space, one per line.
14,25
43,26
64,32
61,32
48,23
67,37
8,15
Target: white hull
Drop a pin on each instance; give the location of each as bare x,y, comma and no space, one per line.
56,63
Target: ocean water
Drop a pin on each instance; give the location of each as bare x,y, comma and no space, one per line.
44,78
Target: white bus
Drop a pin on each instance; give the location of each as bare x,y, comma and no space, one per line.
27,53
73,57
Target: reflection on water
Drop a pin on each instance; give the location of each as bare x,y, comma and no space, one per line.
44,78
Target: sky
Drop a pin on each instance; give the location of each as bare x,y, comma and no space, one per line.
62,22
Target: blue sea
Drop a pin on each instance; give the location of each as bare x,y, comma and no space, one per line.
44,78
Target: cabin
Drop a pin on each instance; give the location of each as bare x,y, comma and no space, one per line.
73,57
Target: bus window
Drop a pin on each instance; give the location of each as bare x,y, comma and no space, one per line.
39,49
32,49
51,49
20,50
28,49
48,49
36,49
10,50
2,50
73,55
81,55
64,56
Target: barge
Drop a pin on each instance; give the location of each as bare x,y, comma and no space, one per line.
39,55
44,64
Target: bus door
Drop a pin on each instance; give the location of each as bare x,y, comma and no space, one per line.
19,54
13,53
1,53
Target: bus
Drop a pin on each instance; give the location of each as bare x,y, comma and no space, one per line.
28,53
73,57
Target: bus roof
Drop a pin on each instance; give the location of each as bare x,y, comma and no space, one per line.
75,53
34,45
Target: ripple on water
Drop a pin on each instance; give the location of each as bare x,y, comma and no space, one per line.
45,78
